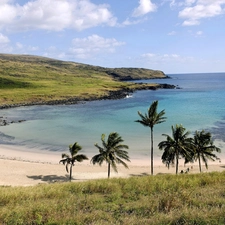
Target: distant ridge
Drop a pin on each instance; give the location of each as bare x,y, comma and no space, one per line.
117,73
31,80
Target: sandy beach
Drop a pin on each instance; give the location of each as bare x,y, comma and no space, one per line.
20,167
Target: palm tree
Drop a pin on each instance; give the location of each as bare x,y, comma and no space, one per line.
203,148
177,145
111,151
73,157
149,120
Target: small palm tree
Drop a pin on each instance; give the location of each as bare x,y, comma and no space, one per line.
203,148
177,145
73,157
112,151
150,119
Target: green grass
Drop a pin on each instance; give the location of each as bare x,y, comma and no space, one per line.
163,199
28,79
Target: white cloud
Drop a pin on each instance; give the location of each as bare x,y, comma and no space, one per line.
87,14
55,15
3,39
33,48
200,10
145,6
189,2
23,48
94,44
172,3
152,58
19,45
8,13
172,33
4,44
129,21
190,23
54,52
177,3
199,33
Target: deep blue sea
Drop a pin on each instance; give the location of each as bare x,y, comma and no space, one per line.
198,104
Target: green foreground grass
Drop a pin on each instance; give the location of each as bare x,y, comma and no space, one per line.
29,79
163,199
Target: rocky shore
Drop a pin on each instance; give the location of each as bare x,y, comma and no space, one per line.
111,95
4,121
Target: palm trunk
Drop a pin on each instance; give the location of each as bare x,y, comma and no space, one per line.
71,167
151,151
177,162
199,163
108,170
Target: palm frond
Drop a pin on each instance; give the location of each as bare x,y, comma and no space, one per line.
100,158
80,158
152,117
113,164
101,150
204,159
160,118
144,120
74,149
119,147
64,155
64,161
203,147
153,108
122,162
67,170
111,150
69,160
123,155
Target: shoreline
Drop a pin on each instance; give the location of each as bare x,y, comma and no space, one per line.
112,95
20,167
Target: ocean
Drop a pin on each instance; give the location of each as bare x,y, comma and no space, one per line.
198,103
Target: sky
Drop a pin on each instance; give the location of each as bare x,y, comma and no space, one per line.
175,36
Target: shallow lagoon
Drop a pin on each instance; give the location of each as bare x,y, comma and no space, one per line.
199,104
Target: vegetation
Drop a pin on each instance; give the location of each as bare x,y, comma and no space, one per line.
191,149
203,148
176,146
150,119
112,151
187,199
73,157
31,79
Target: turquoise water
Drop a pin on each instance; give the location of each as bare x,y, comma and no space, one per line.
199,104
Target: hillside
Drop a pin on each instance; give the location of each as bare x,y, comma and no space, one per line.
26,79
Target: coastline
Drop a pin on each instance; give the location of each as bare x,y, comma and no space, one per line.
112,95
21,167
27,167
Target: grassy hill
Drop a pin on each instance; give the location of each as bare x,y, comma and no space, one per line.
187,199
26,79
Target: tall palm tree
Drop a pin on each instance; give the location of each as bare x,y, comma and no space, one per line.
150,119
73,157
203,148
177,145
111,151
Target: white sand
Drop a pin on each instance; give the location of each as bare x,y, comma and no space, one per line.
21,167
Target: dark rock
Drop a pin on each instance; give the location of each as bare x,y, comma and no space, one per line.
5,121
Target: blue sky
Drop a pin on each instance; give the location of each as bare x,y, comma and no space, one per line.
175,36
